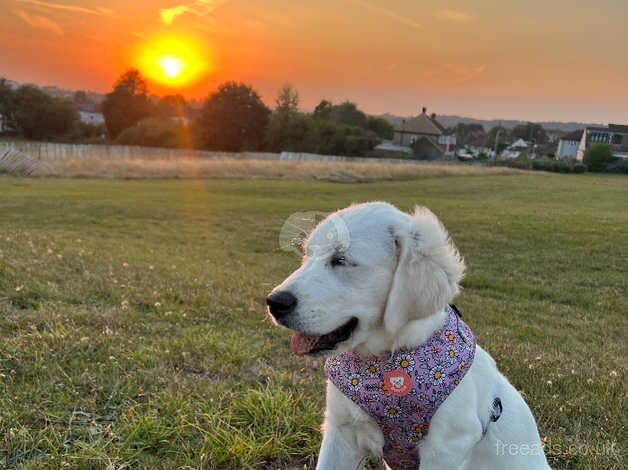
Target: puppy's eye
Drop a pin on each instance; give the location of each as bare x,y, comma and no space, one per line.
338,260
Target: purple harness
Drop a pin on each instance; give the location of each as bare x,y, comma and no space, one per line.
402,392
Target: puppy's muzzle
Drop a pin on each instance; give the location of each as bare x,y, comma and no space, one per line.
281,304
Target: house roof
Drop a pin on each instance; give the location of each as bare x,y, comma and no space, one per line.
619,128
422,124
429,140
519,143
573,136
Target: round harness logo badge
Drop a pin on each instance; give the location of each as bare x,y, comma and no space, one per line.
398,383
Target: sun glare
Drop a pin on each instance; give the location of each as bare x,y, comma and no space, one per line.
172,62
172,67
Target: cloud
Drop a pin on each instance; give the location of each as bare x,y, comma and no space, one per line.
404,20
39,22
70,8
457,16
169,14
197,8
461,73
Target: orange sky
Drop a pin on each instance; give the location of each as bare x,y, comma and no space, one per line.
537,60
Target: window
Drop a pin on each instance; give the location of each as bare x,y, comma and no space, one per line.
617,138
599,137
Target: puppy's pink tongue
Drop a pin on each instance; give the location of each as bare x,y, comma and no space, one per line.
301,344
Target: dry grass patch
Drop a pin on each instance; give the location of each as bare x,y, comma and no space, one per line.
189,167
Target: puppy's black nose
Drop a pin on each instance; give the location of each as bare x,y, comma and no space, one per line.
281,304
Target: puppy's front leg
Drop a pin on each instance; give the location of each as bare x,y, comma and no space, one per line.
339,450
454,430
349,434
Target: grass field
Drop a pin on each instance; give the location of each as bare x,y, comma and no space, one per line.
133,335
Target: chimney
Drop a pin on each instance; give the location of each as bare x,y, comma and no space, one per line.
424,110
433,116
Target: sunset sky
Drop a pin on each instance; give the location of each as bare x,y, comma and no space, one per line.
537,60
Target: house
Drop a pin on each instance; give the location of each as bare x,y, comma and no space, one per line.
568,145
616,135
422,133
448,142
90,114
516,149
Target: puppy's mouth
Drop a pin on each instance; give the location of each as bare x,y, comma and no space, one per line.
302,344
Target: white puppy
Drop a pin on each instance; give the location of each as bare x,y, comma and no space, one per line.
375,281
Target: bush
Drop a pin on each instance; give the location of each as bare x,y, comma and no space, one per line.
156,132
327,138
522,162
543,164
297,132
598,157
558,166
620,165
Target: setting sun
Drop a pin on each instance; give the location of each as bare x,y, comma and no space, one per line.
172,67
172,61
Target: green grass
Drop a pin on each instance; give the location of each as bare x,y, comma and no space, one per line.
133,335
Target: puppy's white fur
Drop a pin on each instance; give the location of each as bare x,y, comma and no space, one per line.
400,272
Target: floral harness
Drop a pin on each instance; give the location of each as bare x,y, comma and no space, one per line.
402,392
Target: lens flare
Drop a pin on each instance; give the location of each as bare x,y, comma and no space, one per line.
173,61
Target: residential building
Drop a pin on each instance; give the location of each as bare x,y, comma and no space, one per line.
568,144
90,114
448,143
516,149
616,135
422,133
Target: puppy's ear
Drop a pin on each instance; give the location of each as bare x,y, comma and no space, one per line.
428,272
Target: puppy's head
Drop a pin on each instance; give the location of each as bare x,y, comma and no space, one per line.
366,267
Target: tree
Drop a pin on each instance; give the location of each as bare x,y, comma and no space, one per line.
499,136
287,100
40,116
127,104
286,126
598,157
80,97
233,118
530,131
286,131
323,110
470,134
171,106
380,126
7,119
348,113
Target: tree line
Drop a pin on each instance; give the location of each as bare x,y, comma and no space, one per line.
234,118
34,114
